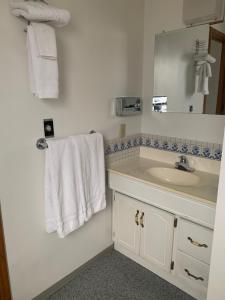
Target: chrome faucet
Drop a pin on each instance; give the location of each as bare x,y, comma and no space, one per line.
183,164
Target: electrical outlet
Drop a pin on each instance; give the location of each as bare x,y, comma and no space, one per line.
49,128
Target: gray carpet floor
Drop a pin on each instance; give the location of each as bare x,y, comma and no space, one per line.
115,277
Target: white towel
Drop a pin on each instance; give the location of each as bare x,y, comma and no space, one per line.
46,40
205,57
64,212
43,66
40,12
202,73
90,170
74,182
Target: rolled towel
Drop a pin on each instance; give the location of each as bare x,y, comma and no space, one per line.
40,12
210,59
205,57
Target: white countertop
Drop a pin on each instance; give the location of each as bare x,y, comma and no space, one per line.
136,168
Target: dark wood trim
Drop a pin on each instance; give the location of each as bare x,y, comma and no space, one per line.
216,35
220,107
5,292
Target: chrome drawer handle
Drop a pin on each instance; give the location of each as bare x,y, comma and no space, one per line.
136,218
197,244
193,276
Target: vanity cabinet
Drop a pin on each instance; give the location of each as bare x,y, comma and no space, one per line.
144,230
169,245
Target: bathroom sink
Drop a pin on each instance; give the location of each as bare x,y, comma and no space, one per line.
174,176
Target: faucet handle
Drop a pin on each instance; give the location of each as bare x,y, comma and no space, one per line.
183,159
183,164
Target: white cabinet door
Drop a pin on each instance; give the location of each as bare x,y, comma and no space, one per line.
127,228
157,236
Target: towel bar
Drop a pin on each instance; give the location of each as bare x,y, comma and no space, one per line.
42,144
44,1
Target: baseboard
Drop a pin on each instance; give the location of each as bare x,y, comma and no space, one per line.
53,289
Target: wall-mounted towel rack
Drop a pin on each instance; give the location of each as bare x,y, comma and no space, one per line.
201,47
44,1
42,144
28,21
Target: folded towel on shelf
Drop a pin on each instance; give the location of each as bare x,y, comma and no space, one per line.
74,182
42,60
40,12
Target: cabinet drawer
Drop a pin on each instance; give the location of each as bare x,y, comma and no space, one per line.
192,270
195,240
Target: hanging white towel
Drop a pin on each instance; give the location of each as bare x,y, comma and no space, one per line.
74,182
90,170
46,40
42,59
203,72
65,210
40,12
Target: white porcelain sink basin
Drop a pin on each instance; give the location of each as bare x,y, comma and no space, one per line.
174,176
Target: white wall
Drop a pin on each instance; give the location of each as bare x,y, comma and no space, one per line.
100,57
167,15
216,288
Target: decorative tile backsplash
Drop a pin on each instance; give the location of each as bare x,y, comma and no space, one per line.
119,149
117,145
189,147
121,155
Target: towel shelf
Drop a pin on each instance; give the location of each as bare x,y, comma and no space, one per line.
44,1
42,144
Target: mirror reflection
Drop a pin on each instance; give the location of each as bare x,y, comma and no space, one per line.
189,73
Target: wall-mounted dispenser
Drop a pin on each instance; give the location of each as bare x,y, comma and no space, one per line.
197,12
127,106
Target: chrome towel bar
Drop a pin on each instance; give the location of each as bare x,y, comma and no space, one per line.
42,144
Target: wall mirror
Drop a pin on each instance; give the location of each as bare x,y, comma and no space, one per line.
189,70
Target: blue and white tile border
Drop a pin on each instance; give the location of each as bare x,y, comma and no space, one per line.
117,145
172,144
